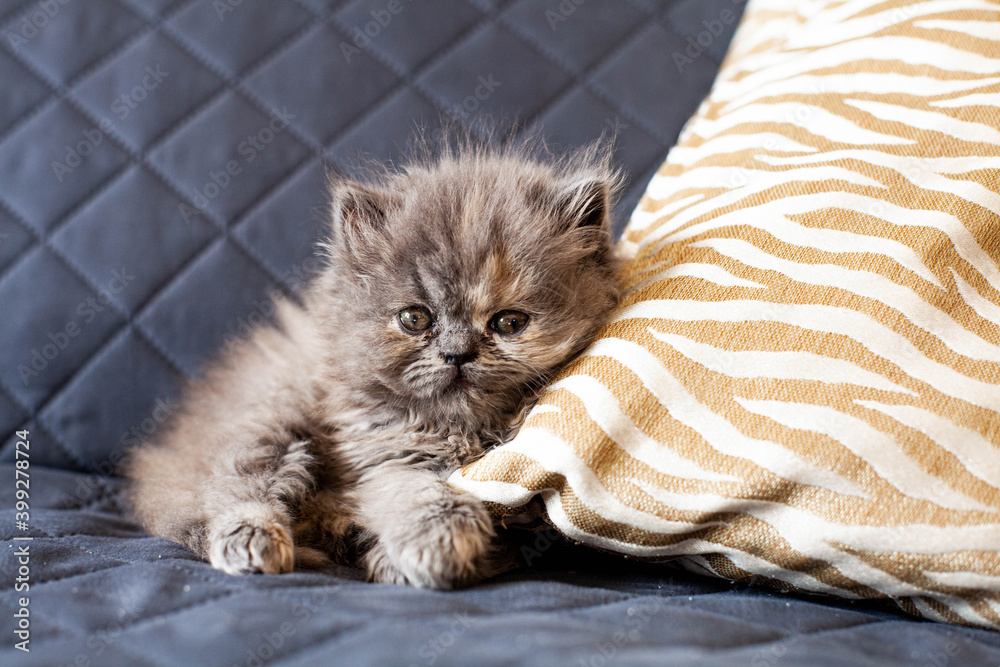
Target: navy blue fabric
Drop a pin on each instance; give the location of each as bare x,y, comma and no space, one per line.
161,181
103,593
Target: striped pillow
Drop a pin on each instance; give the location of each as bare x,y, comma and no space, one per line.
803,381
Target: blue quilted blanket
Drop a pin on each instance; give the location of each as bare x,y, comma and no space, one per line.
161,171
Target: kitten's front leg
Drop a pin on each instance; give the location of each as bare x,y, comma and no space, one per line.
250,525
251,538
428,534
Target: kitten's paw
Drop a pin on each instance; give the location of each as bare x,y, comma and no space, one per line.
446,546
251,545
380,567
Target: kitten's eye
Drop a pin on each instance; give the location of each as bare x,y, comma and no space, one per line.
509,322
415,319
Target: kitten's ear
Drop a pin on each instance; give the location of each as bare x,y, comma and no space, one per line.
586,202
358,211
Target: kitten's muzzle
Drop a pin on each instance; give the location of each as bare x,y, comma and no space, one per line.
457,358
456,363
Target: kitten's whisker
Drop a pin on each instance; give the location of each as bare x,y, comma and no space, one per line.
561,292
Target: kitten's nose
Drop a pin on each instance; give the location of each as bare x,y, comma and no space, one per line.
458,358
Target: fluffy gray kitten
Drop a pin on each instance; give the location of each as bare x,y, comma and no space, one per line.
454,289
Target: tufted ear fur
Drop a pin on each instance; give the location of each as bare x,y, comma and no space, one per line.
586,202
359,213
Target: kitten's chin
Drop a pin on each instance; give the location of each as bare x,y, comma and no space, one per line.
459,383
471,398
459,397
451,391
453,381
459,392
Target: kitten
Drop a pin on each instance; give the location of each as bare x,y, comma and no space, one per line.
454,289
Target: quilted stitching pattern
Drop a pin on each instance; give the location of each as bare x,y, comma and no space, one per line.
161,161
104,592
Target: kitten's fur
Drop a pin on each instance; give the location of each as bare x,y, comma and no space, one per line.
333,432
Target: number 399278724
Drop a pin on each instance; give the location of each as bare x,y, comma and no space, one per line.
22,480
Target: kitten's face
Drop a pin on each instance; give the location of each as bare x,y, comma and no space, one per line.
467,337
471,283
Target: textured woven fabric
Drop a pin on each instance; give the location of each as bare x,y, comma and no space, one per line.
802,381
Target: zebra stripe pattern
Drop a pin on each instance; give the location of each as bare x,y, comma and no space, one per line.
803,380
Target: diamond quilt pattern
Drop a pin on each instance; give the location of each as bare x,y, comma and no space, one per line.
161,162
161,181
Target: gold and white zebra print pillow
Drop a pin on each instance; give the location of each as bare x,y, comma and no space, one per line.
803,381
